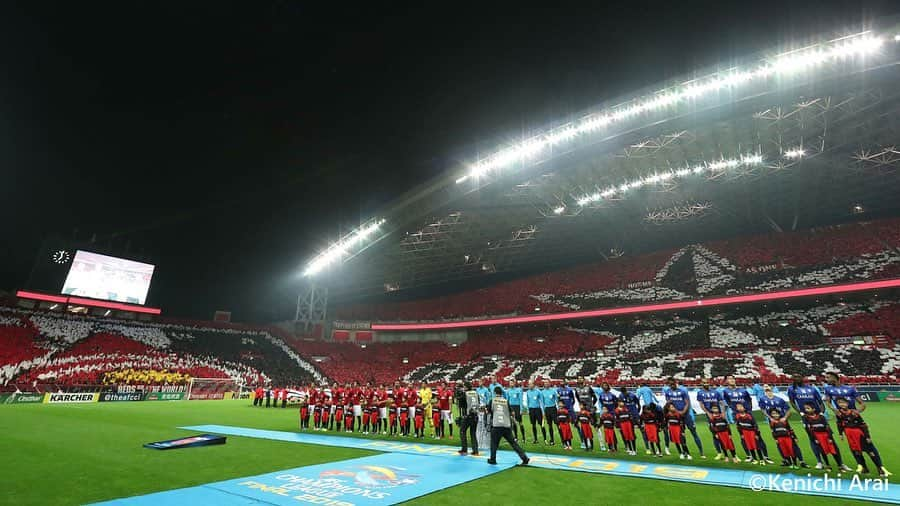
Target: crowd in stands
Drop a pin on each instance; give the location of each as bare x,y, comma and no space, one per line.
144,377
772,343
69,350
776,261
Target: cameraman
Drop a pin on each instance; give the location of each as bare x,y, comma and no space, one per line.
467,402
501,423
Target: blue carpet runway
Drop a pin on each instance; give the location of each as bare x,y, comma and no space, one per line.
409,470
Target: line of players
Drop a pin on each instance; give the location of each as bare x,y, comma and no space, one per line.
404,410
400,410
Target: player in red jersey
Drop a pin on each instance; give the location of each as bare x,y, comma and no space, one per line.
399,394
379,397
412,398
607,420
852,426
304,409
625,421
565,425
675,423
721,430
445,400
585,419
650,423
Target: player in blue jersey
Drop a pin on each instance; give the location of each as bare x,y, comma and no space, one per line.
732,395
769,402
679,397
633,403
550,399
534,401
567,395
801,394
707,398
835,389
514,396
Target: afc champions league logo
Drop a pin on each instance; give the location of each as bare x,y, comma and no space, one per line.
373,476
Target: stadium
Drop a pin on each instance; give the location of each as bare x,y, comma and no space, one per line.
627,283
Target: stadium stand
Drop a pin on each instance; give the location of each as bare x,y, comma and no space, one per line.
844,253
68,350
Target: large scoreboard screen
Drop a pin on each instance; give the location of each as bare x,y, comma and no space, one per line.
109,278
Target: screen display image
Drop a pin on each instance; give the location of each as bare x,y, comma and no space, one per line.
108,278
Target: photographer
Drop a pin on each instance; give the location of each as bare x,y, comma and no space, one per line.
501,423
467,403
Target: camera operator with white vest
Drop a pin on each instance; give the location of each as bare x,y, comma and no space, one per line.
501,423
468,404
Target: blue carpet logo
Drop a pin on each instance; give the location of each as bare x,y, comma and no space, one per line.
372,476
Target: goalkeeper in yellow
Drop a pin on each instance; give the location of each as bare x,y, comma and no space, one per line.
425,397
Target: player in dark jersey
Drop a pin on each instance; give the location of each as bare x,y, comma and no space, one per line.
675,425
419,422
587,399
821,431
784,436
852,427
585,421
608,422
650,428
625,422
721,430
564,422
749,433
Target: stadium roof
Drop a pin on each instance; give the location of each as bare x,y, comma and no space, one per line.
791,139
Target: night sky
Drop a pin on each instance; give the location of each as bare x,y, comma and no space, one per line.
227,141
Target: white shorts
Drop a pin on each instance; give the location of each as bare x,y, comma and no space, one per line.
412,412
382,412
333,407
357,410
399,410
445,415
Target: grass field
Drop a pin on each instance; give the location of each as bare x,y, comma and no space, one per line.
75,454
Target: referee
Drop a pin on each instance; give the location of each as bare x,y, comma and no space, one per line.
501,421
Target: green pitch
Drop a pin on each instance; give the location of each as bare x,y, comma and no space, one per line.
75,454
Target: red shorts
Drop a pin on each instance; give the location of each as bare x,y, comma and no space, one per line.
565,431
826,443
855,438
786,445
651,430
365,419
304,413
749,437
610,436
587,430
404,416
675,433
725,440
420,421
392,418
435,418
627,429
